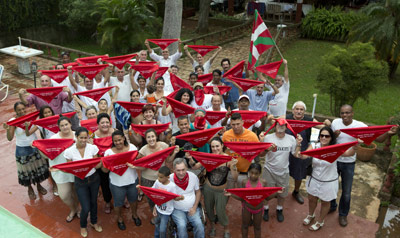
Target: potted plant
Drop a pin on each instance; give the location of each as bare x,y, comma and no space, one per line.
365,152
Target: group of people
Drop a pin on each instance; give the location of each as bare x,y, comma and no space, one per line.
181,173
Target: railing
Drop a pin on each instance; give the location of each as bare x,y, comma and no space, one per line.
52,51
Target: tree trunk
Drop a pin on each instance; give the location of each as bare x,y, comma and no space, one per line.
202,25
392,70
172,22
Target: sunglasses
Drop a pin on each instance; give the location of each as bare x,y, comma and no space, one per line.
326,136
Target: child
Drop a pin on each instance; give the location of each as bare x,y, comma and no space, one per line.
250,212
163,212
151,96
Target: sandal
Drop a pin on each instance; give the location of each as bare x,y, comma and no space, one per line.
55,191
96,227
140,197
107,208
308,219
70,218
32,195
84,232
42,190
316,226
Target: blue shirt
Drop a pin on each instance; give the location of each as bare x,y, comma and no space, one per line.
233,95
259,102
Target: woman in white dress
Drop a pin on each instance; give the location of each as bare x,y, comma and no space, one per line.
323,182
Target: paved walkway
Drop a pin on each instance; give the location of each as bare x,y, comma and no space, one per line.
48,213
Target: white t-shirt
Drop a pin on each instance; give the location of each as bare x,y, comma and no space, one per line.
46,133
168,207
60,176
278,162
125,88
20,137
130,175
337,124
206,102
218,123
171,60
278,105
72,153
167,83
90,102
189,193
206,66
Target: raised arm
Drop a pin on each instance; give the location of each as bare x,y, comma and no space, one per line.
10,131
215,54
191,59
147,44
21,95
71,78
286,74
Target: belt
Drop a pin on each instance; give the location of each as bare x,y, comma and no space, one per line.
311,177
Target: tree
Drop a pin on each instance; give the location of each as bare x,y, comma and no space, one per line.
125,24
76,15
204,12
172,21
382,27
348,74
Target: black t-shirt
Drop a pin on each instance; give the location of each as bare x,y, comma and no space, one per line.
184,145
306,134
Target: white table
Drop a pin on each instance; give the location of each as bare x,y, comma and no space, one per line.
23,54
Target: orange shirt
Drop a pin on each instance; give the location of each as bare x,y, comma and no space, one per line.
247,136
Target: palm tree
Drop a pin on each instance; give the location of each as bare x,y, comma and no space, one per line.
382,27
125,24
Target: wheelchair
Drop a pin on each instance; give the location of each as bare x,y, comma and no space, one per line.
172,229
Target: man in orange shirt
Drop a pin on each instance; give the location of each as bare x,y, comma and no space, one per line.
238,134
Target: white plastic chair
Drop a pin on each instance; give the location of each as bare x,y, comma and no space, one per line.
4,86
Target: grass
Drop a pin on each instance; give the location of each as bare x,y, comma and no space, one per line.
304,59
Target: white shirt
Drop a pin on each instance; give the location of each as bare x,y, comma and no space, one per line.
168,207
323,170
218,123
278,105
337,124
167,83
206,102
189,193
206,66
46,133
125,88
20,137
278,162
171,60
60,176
72,153
130,175
90,102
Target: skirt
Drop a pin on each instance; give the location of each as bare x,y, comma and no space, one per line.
31,167
326,191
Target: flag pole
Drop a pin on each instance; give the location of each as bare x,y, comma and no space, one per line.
280,27
315,104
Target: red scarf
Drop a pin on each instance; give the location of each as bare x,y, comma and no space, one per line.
199,96
199,123
182,183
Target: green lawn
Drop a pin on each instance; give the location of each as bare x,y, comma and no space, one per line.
304,59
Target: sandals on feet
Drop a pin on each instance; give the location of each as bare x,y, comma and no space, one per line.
70,218
84,232
308,219
316,226
96,227
42,190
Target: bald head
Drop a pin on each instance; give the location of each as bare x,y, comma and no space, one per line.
346,113
143,55
45,81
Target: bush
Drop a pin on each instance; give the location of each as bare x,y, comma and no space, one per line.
125,24
76,15
332,24
17,14
347,74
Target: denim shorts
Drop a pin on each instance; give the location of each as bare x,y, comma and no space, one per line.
119,193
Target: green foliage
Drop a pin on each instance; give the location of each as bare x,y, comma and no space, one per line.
17,14
348,74
125,24
397,153
76,15
332,24
382,27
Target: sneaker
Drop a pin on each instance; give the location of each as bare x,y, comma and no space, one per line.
266,216
298,197
279,215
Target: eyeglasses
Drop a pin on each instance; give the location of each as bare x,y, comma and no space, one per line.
326,136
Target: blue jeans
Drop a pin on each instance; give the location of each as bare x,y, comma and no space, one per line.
87,190
181,219
346,172
161,225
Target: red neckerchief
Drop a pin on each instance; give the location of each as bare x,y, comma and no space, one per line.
199,96
182,183
199,123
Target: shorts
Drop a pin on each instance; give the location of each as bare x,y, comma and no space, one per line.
274,180
119,193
